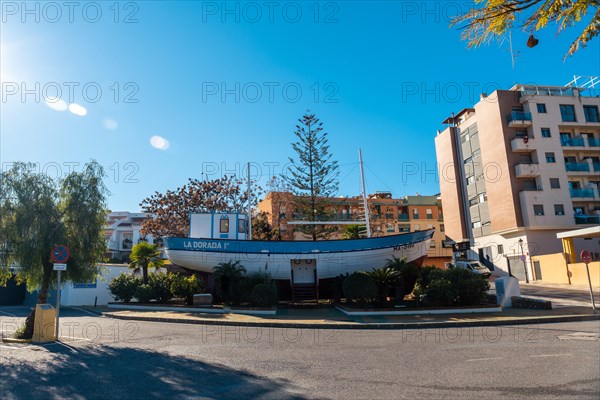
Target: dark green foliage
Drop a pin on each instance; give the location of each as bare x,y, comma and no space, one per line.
145,255
161,286
186,287
123,287
248,282
144,293
426,274
351,232
409,273
228,276
264,295
441,292
385,279
359,287
464,288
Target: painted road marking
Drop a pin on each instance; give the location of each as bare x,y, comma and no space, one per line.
549,355
485,359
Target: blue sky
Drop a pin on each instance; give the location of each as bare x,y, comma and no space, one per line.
219,87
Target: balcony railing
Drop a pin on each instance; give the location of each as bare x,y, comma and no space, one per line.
596,166
582,193
593,142
520,116
572,142
587,219
577,167
403,217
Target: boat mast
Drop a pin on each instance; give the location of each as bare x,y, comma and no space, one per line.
364,192
249,222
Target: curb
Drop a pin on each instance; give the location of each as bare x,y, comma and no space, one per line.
349,326
15,340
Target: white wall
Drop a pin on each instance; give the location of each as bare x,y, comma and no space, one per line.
71,296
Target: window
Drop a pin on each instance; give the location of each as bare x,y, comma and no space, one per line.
390,228
554,183
415,213
559,209
550,158
538,209
241,225
591,114
473,201
483,197
441,227
432,244
541,108
468,160
476,224
500,249
471,179
477,153
403,228
545,132
567,112
429,214
224,225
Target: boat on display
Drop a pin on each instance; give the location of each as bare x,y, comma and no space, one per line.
223,237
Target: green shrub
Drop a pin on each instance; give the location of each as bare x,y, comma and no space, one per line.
144,293
471,288
123,287
441,292
248,282
263,295
186,287
161,286
227,276
409,273
426,274
359,287
385,279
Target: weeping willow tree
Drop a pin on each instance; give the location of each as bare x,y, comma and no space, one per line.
496,18
37,213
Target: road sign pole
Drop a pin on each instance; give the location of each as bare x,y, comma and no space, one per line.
591,289
57,302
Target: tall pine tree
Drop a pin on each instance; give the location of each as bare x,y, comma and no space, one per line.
312,175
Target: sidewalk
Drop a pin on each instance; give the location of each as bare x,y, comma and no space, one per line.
331,318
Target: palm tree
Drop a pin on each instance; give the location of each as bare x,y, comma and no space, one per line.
227,276
351,232
144,255
385,278
409,273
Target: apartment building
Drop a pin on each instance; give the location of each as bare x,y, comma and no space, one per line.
518,167
122,231
388,216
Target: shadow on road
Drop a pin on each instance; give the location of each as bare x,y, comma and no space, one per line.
103,372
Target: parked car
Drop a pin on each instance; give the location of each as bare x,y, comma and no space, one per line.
474,266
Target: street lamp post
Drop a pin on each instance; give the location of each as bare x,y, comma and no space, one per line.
523,259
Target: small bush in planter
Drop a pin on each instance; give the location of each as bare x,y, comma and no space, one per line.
144,293
186,287
426,274
248,282
441,292
263,296
123,287
359,287
161,286
471,288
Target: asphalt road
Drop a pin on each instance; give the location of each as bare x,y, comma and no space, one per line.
102,358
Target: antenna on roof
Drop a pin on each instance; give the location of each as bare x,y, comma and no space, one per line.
513,54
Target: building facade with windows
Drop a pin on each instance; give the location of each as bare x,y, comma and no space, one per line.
122,231
388,216
517,168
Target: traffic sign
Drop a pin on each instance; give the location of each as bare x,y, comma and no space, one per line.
60,267
586,256
522,258
60,254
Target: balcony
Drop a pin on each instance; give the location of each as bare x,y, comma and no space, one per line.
519,118
583,219
572,142
596,166
593,142
529,170
519,145
403,217
582,193
577,167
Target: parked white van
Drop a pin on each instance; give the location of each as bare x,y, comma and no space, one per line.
474,266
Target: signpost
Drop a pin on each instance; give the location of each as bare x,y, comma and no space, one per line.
60,255
586,257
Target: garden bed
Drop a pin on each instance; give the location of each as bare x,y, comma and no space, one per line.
194,309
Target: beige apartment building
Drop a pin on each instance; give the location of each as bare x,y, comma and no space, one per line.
388,216
518,167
